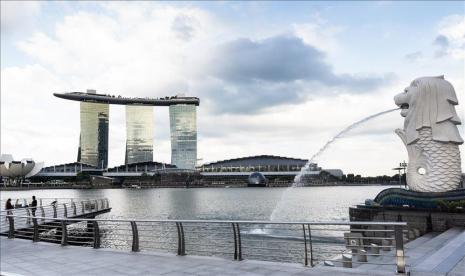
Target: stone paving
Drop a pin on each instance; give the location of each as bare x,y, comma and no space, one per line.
23,257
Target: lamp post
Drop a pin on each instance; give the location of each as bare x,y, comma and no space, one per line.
399,169
403,165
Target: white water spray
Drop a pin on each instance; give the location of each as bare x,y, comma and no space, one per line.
298,178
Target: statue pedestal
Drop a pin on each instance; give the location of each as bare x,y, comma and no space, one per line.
425,212
397,197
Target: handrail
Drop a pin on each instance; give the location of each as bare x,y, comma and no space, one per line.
48,198
351,223
18,203
370,242
73,200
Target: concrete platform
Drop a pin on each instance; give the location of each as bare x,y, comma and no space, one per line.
437,254
23,257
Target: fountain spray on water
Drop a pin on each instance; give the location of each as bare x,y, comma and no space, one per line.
298,178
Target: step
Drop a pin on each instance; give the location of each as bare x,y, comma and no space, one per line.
424,248
389,256
459,269
446,258
420,252
420,240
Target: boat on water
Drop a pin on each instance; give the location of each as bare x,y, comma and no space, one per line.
134,186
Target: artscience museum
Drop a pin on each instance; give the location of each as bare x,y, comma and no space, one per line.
14,172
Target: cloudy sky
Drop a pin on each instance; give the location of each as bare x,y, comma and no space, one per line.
273,78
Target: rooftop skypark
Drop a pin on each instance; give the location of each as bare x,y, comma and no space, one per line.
91,96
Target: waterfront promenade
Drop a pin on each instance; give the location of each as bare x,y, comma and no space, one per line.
23,257
432,254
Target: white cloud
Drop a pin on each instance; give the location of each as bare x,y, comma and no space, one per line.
451,36
135,52
320,34
18,15
34,123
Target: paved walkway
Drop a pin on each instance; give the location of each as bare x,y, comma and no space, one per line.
23,257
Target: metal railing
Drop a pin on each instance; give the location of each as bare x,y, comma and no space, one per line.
346,244
72,208
43,201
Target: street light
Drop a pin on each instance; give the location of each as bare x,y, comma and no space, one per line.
402,166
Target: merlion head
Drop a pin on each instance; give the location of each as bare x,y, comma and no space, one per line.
430,102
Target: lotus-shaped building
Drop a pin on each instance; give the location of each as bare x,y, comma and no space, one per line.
14,170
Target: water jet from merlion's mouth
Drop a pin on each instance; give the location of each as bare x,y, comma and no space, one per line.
298,178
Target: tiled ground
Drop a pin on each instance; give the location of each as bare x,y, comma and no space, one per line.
23,257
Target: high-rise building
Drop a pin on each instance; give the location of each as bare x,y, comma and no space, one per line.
183,126
139,132
93,141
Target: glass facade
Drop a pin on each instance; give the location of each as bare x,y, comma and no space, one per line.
183,127
139,132
93,141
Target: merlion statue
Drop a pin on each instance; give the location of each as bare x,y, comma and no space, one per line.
430,134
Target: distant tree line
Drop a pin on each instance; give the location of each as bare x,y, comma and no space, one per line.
381,179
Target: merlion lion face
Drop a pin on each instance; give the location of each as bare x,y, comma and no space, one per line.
430,134
404,100
429,102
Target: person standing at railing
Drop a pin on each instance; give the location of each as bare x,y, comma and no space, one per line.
8,207
33,206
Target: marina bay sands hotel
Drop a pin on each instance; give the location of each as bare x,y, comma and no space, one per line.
95,112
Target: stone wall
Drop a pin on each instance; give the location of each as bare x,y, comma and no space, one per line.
423,220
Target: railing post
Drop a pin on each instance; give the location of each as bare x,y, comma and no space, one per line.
11,233
102,204
65,210
96,205
183,251
64,233
181,242
96,234
311,245
239,243
362,255
135,237
35,237
235,241
347,260
305,246
28,212
179,238
73,204
42,213
54,210
400,260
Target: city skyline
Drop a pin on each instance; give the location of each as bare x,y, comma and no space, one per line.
94,127
336,65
